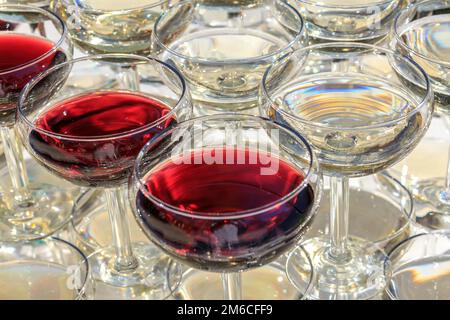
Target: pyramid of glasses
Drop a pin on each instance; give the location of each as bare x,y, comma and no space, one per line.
216,149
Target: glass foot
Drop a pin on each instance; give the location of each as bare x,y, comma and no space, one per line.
360,277
432,210
149,281
269,282
380,211
48,213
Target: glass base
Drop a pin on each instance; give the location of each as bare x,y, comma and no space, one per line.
49,212
360,277
91,217
432,211
269,282
149,281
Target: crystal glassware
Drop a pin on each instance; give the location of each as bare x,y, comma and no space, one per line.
367,21
418,268
111,26
226,193
31,41
49,269
224,49
90,137
363,108
422,32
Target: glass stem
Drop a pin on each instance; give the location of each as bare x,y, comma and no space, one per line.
232,288
12,149
125,260
339,212
128,78
445,194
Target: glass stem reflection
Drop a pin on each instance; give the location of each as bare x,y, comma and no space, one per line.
445,195
12,149
232,286
128,78
339,208
125,260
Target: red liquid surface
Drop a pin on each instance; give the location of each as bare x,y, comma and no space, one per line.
17,66
104,161
219,190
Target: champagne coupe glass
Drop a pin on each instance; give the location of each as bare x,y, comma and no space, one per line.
28,211
418,268
49,269
363,108
366,21
111,26
422,32
91,137
224,49
226,193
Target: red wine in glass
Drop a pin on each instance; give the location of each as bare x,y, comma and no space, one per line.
206,236
103,133
22,57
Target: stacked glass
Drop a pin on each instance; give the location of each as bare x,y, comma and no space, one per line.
363,108
360,108
422,32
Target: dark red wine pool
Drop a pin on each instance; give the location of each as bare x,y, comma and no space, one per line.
212,239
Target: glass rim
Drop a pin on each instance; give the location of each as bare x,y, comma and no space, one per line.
347,6
56,45
387,266
312,161
424,101
84,259
398,39
409,214
27,89
123,11
312,275
299,34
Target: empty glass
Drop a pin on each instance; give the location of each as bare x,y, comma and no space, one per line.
224,49
348,20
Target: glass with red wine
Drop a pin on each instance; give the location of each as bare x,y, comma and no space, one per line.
226,193
91,136
32,40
